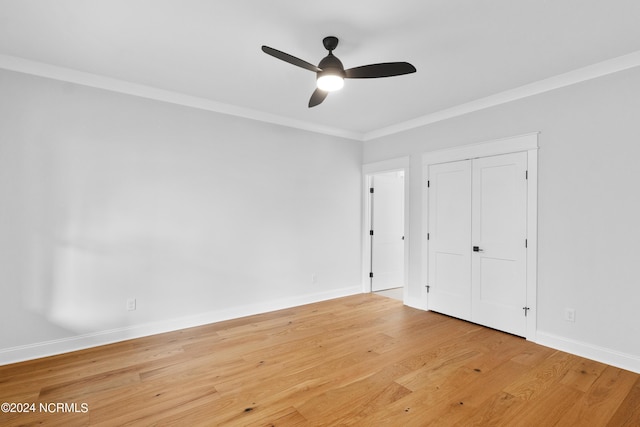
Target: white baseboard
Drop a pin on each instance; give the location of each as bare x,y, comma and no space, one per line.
80,342
590,351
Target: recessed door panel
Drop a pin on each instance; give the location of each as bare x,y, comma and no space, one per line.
451,278
497,277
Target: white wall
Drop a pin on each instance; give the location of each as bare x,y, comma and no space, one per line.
588,206
198,215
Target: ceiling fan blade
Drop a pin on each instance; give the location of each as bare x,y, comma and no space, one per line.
290,59
386,69
317,97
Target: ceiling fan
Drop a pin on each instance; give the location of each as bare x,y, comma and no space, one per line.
330,72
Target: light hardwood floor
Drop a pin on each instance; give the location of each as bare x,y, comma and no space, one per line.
395,293
362,360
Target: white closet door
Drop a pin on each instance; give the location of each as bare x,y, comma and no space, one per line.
499,229
450,239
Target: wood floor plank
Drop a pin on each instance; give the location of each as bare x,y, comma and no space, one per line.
595,407
541,377
353,393
546,408
583,374
628,413
483,388
362,360
498,410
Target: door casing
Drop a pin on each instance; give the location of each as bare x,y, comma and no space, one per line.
368,170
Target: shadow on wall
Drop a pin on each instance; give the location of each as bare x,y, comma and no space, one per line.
94,227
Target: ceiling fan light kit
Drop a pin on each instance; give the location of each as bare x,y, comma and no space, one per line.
329,82
330,72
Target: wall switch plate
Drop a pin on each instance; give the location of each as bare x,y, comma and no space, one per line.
314,278
131,304
570,314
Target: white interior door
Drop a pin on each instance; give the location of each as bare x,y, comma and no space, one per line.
450,239
387,245
499,230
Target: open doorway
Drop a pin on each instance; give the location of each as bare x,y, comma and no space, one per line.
385,239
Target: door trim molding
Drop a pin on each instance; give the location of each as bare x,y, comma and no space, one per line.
513,144
368,170
520,143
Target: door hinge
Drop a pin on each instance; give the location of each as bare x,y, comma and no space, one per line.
526,243
427,236
427,286
371,274
428,183
526,174
526,309
371,190
370,232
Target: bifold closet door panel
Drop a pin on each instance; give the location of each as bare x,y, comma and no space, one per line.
449,218
499,231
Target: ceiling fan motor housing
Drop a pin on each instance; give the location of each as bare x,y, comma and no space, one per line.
331,65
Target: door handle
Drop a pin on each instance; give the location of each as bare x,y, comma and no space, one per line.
477,249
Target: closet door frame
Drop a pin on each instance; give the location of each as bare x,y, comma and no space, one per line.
522,143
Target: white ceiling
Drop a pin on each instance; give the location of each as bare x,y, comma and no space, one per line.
463,50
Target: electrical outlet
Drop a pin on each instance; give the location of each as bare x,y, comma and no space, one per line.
570,314
131,304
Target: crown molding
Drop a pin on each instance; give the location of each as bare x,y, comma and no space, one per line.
41,69
556,82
